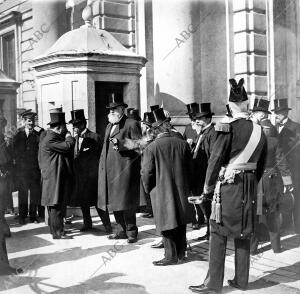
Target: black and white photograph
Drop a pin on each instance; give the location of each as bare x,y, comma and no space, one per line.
149,146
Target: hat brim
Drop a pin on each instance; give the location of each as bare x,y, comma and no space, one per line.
75,121
201,114
56,123
281,109
260,109
116,105
159,123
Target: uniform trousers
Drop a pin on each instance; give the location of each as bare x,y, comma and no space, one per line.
5,269
126,222
87,220
56,219
32,184
217,252
175,243
206,210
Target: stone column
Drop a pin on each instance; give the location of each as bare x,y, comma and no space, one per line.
49,23
250,45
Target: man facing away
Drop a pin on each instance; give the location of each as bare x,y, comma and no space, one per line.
166,168
55,160
87,152
235,166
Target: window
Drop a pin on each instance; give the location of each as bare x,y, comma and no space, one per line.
8,54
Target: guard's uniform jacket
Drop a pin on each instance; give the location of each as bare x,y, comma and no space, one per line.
238,195
289,138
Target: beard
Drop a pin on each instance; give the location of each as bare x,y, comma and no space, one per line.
114,118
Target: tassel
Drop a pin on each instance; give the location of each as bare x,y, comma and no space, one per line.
259,210
218,211
213,209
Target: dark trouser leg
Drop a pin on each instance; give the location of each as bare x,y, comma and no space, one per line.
121,226
180,238
253,244
169,241
296,210
23,197
35,196
86,215
206,210
272,221
198,217
56,220
41,211
104,216
4,265
242,262
217,252
130,222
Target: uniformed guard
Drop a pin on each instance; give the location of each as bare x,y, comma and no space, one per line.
235,166
28,175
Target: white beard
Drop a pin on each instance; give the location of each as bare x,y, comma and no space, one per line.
114,118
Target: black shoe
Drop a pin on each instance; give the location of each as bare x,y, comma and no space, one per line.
86,228
7,234
195,227
132,240
232,283
205,237
165,262
34,220
108,229
121,235
158,245
22,221
202,289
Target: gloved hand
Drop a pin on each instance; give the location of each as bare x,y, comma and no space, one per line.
289,188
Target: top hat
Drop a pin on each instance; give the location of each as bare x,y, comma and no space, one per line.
159,117
116,100
261,105
192,108
154,107
57,118
58,109
28,113
281,104
148,118
133,113
237,91
204,110
77,116
229,114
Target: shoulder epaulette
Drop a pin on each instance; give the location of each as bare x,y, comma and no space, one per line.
222,127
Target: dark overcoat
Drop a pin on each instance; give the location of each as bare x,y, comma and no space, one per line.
238,199
86,164
166,169
190,133
119,171
55,160
200,158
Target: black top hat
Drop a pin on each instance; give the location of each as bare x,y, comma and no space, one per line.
159,117
154,107
229,114
261,105
192,108
148,118
133,113
237,91
204,110
281,104
116,100
28,113
77,116
57,118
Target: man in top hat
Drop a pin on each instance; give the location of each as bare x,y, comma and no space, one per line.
119,171
55,160
28,175
289,141
201,154
171,185
134,114
190,134
87,152
235,166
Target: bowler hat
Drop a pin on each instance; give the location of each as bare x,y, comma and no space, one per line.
229,114
77,116
28,113
237,91
154,107
261,105
204,110
281,104
133,113
148,118
57,118
159,117
116,100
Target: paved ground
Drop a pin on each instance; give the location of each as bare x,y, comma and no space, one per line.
90,263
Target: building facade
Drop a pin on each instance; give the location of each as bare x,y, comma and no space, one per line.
192,47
